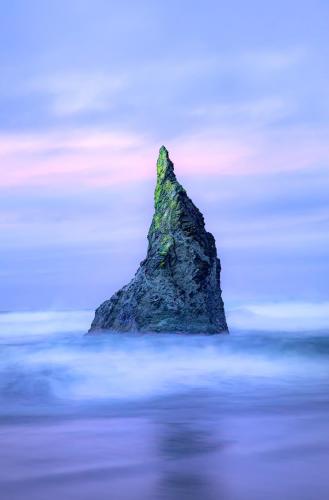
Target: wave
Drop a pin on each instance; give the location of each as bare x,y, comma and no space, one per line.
284,316
273,316
26,323
47,360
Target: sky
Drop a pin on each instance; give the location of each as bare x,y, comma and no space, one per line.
90,89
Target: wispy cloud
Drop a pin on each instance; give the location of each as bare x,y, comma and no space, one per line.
273,60
254,113
73,93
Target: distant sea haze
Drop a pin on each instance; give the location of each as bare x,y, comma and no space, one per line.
266,316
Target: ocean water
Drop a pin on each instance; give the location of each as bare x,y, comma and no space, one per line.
172,417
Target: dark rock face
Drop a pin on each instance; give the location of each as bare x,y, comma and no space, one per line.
177,286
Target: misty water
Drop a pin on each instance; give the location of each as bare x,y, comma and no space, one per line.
239,416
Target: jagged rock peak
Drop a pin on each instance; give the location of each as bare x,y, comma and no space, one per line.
165,167
177,286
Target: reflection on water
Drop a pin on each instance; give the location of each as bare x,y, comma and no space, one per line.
187,451
236,417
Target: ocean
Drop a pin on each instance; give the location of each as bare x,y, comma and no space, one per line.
243,416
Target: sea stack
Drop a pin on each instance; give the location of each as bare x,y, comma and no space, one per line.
177,287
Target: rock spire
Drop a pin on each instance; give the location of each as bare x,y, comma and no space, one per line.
177,286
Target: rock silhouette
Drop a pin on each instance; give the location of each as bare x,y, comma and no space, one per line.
177,286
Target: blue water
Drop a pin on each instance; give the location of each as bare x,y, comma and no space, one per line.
244,416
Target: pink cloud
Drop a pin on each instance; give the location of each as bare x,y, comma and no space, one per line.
78,157
247,152
97,158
